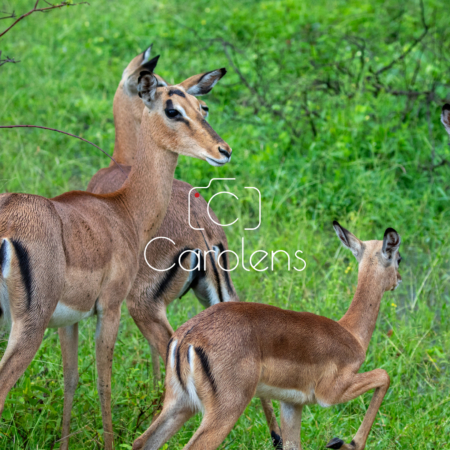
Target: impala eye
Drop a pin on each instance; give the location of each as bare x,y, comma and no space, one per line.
172,113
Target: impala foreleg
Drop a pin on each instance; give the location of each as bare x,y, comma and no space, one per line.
69,349
105,339
377,379
291,421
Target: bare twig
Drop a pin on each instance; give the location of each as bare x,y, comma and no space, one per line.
6,60
261,99
11,16
443,162
43,10
68,134
411,47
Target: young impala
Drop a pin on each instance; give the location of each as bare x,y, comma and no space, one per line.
153,291
67,258
231,352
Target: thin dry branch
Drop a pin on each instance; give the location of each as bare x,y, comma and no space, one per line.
411,47
68,134
6,60
11,15
36,9
226,45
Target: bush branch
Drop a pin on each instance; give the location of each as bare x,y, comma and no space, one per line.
36,9
68,134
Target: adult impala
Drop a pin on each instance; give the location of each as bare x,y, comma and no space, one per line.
153,291
67,258
231,352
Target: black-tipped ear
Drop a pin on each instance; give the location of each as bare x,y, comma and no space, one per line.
203,83
151,65
146,53
348,239
391,243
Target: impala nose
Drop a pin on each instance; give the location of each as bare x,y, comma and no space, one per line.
225,152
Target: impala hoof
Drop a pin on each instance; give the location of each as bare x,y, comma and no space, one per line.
277,442
334,443
339,443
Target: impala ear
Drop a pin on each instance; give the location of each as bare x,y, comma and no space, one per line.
146,68
203,83
391,243
146,54
147,65
349,240
445,117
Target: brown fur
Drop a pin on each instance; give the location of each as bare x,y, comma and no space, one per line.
146,305
80,250
251,349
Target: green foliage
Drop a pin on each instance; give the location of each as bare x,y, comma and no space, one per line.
312,126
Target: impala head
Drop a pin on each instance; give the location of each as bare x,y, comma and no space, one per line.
378,259
128,106
445,117
128,84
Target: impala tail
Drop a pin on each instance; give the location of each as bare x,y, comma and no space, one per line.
15,277
188,367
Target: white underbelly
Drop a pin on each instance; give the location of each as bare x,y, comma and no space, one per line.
292,396
64,316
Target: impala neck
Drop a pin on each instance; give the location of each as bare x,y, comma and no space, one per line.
361,317
147,191
126,142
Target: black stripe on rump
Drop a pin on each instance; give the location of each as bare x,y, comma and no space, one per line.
213,263
2,254
179,367
25,267
168,276
215,271
225,266
206,367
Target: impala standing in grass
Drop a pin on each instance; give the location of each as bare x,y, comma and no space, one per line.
231,352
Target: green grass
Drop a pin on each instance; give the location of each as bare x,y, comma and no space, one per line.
368,166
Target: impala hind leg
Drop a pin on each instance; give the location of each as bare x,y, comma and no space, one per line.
105,339
171,419
275,431
291,421
150,317
23,343
216,425
377,379
68,337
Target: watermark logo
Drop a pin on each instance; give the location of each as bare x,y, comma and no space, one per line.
222,193
257,260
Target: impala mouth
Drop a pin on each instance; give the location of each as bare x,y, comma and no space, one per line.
218,162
